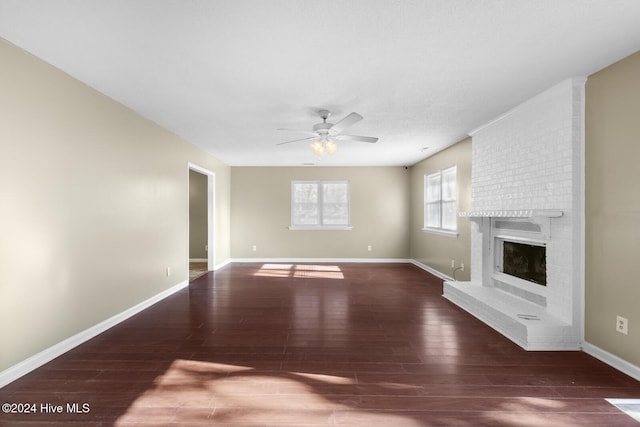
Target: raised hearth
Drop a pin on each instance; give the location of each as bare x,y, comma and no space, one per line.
514,304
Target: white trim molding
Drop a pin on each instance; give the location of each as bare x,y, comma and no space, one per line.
441,232
211,212
612,360
222,264
22,368
431,270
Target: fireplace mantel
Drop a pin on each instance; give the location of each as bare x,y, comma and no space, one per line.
541,217
524,213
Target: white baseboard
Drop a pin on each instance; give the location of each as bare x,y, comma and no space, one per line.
323,260
612,360
431,270
222,264
20,369
198,260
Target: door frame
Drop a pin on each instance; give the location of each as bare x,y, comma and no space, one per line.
211,213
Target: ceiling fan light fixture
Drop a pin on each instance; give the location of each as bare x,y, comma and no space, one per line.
318,148
330,147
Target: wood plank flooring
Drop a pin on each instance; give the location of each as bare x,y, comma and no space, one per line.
315,345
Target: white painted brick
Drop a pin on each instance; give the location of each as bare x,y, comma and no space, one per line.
530,159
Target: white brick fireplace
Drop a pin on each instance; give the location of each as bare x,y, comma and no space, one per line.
527,174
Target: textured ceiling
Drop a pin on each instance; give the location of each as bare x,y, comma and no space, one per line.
225,74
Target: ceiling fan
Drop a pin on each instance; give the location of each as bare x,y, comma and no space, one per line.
325,134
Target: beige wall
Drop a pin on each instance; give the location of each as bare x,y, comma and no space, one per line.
198,226
434,250
93,206
613,208
261,213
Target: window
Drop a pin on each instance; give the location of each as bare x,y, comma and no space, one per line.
320,205
440,196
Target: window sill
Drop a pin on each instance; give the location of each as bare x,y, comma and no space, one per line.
321,227
441,232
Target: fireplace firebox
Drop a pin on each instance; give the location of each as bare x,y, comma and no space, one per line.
525,261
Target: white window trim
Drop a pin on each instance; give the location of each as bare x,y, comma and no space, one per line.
441,232
437,230
329,227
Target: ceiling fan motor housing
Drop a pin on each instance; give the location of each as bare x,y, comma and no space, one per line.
323,128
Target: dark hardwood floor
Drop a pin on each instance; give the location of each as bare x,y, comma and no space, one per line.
316,345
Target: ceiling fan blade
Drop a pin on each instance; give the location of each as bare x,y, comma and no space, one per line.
356,138
296,140
308,132
346,122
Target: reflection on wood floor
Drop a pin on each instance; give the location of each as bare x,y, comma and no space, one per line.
317,345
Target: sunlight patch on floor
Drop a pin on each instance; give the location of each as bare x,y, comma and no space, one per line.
274,270
312,271
200,392
532,404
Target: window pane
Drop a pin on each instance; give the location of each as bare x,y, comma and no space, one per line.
334,192
305,192
449,184
433,188
440,200
335,206
335,214
305,214
433,215
320,203
449,215
305,210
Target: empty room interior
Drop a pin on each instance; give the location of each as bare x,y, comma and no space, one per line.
368,212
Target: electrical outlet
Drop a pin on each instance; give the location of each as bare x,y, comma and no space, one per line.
622,325
453,263
462,266
369,248
168,271
206,248
255,248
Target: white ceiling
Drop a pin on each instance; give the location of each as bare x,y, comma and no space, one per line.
225,74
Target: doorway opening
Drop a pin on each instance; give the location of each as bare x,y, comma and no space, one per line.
201,224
